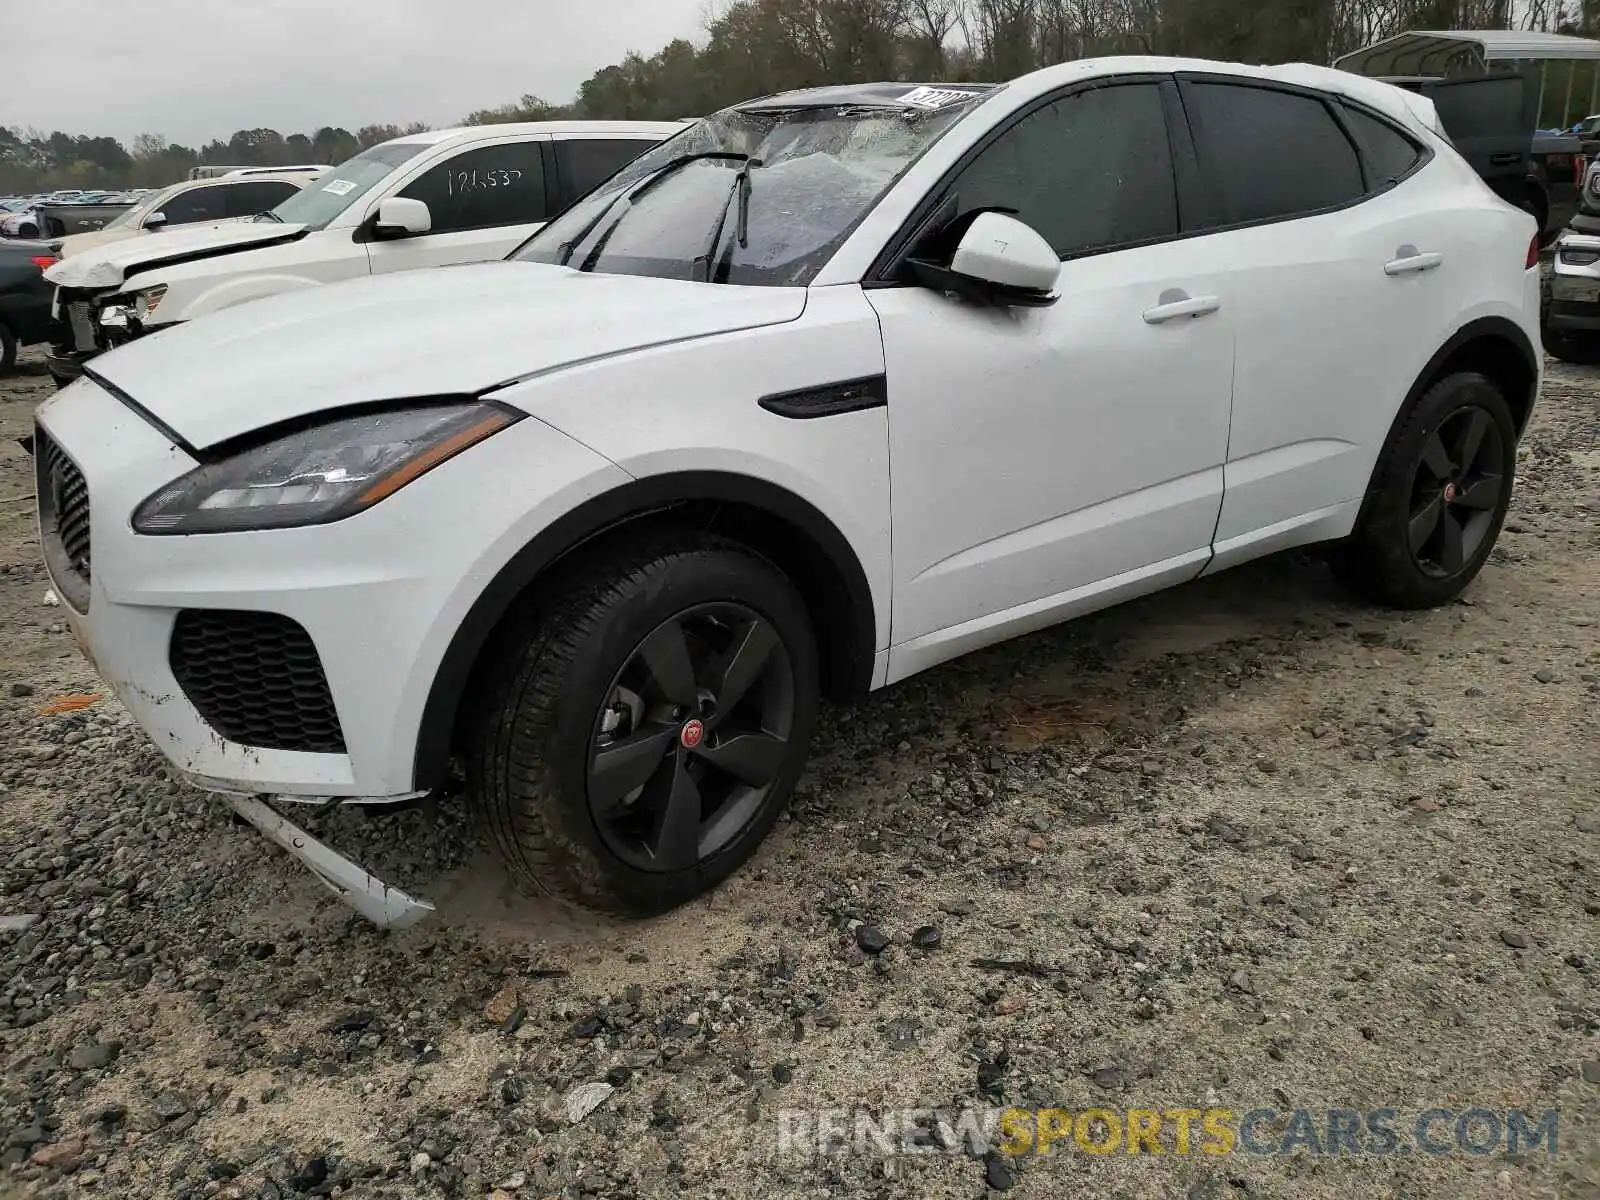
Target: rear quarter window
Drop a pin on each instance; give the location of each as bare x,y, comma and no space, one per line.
1390,155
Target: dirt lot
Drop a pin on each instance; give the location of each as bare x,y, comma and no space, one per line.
1246,845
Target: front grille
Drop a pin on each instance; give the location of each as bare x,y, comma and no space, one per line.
256,679
63,498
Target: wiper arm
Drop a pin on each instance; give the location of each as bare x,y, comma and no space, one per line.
742,229
740,195
633,193
269,215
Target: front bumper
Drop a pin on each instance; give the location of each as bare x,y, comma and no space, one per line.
379,595
1572,296
65,365
381,904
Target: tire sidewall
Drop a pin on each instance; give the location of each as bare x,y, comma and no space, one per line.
694,577
1389,524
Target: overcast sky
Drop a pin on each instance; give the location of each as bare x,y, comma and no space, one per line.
199,69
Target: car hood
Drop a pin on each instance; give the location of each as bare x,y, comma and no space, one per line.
80,243
447,331
107,266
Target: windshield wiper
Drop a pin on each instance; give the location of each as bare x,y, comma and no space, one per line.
633,193
740,195
268,215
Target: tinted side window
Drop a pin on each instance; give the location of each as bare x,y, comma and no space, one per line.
586,163
1271,154
1389,153
247,199
197,204
483,188
1089,172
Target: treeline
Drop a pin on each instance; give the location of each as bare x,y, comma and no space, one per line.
753,47
31,161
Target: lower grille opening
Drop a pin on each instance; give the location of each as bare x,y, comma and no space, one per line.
257,680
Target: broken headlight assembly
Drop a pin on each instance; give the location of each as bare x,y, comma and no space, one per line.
320,474
123,317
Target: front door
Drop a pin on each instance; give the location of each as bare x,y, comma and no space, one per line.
1048,461
484,201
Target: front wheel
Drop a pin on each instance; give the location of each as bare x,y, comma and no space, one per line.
1441,491
643,729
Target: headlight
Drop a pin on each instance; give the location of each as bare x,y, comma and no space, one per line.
146,301
321,474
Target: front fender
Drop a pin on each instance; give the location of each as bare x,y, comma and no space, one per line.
228,293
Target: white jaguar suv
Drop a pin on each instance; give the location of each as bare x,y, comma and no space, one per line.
827,389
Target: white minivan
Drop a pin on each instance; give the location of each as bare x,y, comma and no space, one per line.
424,200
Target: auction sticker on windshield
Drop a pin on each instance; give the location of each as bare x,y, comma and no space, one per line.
339,187
930,97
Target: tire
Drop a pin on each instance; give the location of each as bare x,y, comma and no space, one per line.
8,350
27,230
1430,520
579,749
1576,348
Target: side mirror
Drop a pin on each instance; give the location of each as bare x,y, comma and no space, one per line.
400,217
1000,261
155,220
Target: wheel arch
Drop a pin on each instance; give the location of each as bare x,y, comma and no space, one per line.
772,520
1493,346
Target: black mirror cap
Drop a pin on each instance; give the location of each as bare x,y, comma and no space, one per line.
978,291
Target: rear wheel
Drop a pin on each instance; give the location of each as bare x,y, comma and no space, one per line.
1441,491
644,728
1581,348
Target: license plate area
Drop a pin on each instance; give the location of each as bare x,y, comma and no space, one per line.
1575,291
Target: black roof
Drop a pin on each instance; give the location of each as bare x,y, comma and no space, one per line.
928,96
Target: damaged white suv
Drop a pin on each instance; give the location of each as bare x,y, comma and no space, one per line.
828,389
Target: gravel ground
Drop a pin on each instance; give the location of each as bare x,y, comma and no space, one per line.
1246,844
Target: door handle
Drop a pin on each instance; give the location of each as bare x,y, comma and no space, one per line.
1504,160
1408,260
1177,303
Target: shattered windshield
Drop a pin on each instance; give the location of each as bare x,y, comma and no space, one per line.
768,195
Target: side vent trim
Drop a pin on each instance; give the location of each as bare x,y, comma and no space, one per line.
830,399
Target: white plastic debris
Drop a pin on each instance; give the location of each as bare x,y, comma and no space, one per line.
585,1098
50,600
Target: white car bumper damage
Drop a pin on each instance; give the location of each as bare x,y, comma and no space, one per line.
377,617
385,906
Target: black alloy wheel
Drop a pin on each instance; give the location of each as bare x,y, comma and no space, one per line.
1457,491
693,733
640,724
1439,494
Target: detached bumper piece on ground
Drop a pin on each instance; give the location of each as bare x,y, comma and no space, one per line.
385,906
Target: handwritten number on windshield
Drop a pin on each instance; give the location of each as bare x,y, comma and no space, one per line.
459,183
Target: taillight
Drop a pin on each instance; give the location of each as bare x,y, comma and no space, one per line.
1579,165
45,260
1533,252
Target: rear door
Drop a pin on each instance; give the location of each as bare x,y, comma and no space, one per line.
1344,274
1490,120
